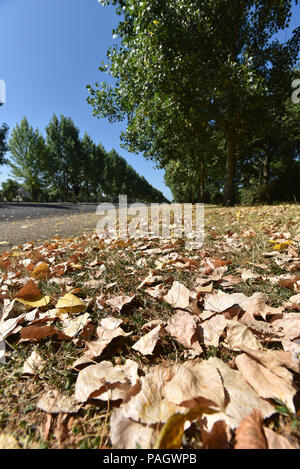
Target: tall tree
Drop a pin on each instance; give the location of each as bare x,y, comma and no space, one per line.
209,62
93,157
62,166
27,149
3,142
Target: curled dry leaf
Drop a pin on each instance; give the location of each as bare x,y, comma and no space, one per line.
192,380
249,434
184,327
33,365
213,329
149,406
148,342
119,302
178,296
241,398
37,332
217,438
127,434
276,441
54,402
31,295
265,383
71,327
42,271
105,336
105,381
238,335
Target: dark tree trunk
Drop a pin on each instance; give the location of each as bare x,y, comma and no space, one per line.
202,182
266,168
230,171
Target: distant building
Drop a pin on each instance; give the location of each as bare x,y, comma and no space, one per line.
22,194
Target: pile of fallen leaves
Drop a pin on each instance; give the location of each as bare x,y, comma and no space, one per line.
141,343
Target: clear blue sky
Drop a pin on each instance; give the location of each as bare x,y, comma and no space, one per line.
50,51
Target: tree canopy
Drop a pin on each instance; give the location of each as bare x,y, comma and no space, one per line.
187,73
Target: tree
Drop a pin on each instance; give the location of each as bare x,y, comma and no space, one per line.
198,63
10,189
3,144
27,149
63,164
92,166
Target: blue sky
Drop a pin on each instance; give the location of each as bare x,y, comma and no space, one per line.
50,51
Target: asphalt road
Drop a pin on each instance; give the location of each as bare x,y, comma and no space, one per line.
24,222
21,210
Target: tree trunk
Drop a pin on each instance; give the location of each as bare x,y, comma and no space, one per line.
266,168
230,171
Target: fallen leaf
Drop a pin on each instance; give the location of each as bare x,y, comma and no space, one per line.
148,342
265,383
178,296
54,402
33,365
70,304
105,381
249,434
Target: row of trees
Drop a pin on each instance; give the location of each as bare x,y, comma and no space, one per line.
206,89
62,166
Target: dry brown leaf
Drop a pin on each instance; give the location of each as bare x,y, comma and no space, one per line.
54,402
184,327
276,441
265,383
148,342
249,434
192,380
42,271
119,302
71,327
31,295
33,365
127,434
213,329
238,335
217,438
242,398
149,406
178,296
37,332
106,382
95,348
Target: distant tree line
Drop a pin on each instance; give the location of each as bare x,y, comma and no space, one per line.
63,166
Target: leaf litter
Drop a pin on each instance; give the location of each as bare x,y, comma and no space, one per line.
160,347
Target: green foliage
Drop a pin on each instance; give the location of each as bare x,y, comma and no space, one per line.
27,149
189,71
9,189
3,144
69,168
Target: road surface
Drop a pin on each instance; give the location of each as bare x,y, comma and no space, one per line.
24,222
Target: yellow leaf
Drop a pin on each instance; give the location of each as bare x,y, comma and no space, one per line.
170,436
70,304
41,271
38,303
